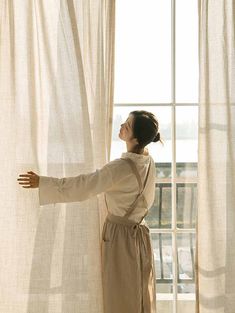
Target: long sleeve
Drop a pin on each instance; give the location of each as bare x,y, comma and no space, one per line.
81,187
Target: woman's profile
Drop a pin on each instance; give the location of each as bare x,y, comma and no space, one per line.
128,184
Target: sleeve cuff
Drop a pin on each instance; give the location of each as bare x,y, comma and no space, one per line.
45,192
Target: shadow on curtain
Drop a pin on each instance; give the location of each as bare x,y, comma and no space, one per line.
56,89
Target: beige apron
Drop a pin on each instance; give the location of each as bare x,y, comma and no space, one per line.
128,270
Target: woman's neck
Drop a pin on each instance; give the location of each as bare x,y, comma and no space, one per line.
131,147
143,151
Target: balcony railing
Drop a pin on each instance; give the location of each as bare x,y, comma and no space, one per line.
159,221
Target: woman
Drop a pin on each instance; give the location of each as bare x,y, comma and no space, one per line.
128,184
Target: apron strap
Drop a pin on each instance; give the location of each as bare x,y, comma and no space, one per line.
142,188
134,169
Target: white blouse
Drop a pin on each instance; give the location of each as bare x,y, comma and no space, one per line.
116,179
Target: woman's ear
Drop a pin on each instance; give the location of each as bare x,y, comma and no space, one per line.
135,140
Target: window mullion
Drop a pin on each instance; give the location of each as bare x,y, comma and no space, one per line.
173,138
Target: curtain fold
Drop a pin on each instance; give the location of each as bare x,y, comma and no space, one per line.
56,94
215,266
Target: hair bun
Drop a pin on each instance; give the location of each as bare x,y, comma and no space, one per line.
156,138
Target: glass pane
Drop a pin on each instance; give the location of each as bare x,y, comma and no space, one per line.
186,259
143,51
186,141
163,171
186,199
159,215
162,249
187,68
162,154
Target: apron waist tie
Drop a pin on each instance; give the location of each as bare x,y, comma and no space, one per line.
137,229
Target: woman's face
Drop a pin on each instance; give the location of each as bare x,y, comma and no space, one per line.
126,132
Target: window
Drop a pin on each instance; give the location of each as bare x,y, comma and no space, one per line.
156,69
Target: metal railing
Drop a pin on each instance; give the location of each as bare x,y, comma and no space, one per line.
161,223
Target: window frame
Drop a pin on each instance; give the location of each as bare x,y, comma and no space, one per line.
174,180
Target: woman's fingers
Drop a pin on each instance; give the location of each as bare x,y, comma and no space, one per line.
31,173
30,180
25,176
28,175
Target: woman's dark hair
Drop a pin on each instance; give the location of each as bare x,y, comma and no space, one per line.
145,128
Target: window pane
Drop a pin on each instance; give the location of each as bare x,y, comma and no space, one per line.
160,153
186,141
186,259
143,51
162,248
187,72
159,215
186,199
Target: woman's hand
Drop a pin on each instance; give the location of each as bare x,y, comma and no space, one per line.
31,180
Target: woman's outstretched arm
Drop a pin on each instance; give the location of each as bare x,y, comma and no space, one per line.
78,188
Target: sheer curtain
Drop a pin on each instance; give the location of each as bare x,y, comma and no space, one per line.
56,94
216,173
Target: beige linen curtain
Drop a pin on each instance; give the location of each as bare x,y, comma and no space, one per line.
216,162
56,94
